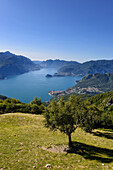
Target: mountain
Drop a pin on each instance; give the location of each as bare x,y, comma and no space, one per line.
11,64
90,67
56,63
90,84
37,61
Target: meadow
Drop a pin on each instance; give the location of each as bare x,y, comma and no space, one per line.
25,143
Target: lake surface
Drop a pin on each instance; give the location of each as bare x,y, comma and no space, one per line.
26,86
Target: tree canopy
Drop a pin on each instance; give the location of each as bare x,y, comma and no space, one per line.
67,116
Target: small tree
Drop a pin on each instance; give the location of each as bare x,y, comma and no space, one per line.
67,116
36,106
36,101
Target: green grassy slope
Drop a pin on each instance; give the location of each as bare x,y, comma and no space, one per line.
22,137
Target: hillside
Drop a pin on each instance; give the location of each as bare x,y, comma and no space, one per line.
90,67
101,82
90,84
26,144
103,101
11,64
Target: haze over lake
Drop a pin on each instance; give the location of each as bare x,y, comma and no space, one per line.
26,86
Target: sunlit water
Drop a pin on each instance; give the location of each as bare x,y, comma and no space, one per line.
26,86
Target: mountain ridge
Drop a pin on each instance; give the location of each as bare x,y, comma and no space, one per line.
89,67
74,68
57,63
11,64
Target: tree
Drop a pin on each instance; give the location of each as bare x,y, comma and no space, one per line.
67,116
36,106
36,101
35,109
91,119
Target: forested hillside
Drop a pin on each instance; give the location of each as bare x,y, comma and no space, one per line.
101,82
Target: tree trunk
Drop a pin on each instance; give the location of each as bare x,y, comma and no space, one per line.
70,142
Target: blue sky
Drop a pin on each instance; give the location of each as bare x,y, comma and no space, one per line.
78,30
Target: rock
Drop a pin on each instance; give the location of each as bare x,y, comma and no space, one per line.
110,102
48,166
48,75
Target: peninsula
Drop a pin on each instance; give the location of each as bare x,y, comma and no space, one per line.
90,84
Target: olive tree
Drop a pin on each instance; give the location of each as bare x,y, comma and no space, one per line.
67,116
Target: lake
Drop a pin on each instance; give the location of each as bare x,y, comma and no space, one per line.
26,86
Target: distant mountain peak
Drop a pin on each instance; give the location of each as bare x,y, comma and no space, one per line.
7,52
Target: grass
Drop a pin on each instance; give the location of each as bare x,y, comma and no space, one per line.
22,137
